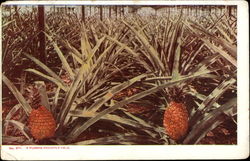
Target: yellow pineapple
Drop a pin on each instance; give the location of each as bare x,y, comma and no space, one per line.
42,123
176,120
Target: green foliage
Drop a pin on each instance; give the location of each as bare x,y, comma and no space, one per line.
164,58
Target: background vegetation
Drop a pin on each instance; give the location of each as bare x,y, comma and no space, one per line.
108,73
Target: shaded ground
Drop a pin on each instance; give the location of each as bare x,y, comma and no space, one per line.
225,133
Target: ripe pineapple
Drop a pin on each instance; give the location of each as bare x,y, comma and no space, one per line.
41,122
176,120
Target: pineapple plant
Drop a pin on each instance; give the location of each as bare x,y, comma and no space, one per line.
41,122
182,59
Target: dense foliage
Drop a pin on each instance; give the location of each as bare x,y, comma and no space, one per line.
109,81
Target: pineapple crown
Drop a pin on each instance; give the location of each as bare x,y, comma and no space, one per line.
175,94
33,96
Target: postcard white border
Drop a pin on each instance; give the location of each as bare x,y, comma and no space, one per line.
86,152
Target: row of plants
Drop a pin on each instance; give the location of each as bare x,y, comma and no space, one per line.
136,80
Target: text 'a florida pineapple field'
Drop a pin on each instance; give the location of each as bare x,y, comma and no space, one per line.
119,75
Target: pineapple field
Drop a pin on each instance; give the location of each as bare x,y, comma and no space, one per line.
119,75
